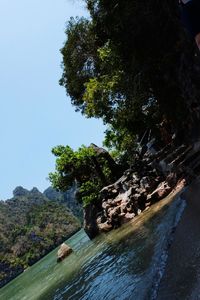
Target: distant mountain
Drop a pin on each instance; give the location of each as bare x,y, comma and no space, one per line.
67,198
31,225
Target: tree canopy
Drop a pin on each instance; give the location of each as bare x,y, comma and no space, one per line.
130,64
91,167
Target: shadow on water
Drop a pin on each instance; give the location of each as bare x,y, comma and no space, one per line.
117,265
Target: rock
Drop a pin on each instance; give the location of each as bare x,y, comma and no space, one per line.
144,182
128,172
121,198
135,178
114,212
109,191
126,186
104,227
90,224
110,202
20,191
117,201
35,191
101,219
67,198
123,208
149,183
124,178
171,179
105,206
129,208
63,252
130,192
122,215
162,191
128,216
142,201
135,197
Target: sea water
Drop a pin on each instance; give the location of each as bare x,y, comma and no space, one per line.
125,264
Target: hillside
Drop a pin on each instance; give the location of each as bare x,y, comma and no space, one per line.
30,226
67,199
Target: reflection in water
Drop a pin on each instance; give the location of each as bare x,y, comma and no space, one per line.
119,265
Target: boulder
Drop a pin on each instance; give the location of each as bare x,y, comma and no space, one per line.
114,212
63,252
105,227
130,192
161,192
145,183
135,178
109,192
90,225
105,206
123,208
101,219
127,217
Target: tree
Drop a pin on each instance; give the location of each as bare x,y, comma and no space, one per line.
91,167
130,64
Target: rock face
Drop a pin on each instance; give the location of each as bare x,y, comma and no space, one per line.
67,198
63,252
90,222
127,197
31,225
149,180
20,191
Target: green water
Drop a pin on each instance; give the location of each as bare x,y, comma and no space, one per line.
123,264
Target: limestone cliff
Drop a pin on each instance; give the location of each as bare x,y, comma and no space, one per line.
31,225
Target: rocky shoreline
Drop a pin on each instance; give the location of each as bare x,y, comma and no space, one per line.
149,180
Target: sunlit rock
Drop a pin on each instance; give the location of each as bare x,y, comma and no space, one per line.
63,252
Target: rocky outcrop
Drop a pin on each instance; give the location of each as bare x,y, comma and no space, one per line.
129,196
114,168
90,222
31,225
63,252
20,191
149,180
67,198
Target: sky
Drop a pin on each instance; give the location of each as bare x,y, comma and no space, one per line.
35,113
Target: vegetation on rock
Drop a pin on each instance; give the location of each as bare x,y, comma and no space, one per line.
91,167
67,198
30,226
132,65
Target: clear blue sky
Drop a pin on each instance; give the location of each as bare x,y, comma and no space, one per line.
35,113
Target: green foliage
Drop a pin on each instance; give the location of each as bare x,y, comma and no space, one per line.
129,64
121,144
89,191
79,68
89,167
71,165
30,227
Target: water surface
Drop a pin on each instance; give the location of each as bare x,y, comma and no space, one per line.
126,263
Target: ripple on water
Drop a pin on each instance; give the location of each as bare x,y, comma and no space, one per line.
119,265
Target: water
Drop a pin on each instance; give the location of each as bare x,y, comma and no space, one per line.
126,263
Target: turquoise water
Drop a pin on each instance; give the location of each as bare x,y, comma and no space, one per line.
126,263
